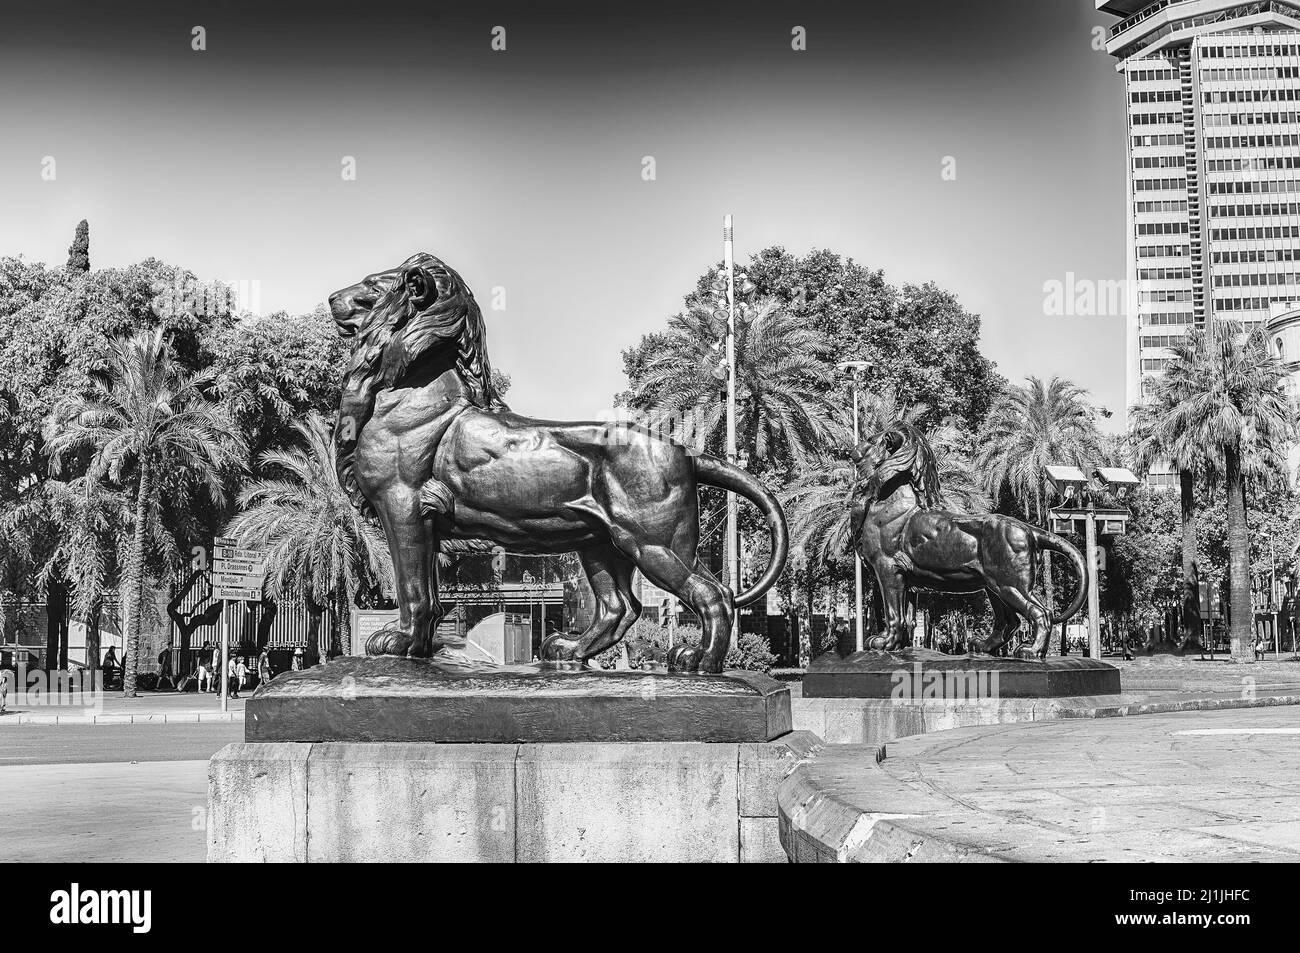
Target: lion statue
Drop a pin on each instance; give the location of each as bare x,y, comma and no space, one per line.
426,442
910,543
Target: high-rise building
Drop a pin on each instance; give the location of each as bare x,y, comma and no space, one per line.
1213,97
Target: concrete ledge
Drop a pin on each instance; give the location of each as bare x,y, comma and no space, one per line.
415,801
15,719
875,721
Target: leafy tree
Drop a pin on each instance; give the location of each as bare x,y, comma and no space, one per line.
273,371
145,422
319,548
1154,443
1226,395
79,252
918,341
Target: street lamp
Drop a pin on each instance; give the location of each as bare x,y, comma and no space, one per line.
1080,506
733,525
855,369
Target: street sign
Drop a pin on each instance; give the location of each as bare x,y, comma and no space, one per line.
225,541
238,581
237,592
230,552
242,567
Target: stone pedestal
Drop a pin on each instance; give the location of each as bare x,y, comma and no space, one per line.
453,700
611,802
912,675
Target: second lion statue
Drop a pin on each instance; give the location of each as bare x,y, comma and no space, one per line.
909,542
426,442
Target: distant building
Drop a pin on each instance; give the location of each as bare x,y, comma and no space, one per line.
1212,92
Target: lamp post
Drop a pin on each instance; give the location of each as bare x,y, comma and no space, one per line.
733,530
855,369
1080,506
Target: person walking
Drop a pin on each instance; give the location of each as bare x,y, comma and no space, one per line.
1259,647
241,673
263,667
204,675
232,681
216,668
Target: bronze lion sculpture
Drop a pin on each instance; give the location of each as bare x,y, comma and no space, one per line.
425,440
909,543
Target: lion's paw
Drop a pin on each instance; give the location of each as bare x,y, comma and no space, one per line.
390,640
1026,652
560,652
685,658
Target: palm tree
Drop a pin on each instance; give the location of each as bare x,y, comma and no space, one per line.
146,424
819,500
1154,444
1031,427
783,411
92,517
1226,396
320,549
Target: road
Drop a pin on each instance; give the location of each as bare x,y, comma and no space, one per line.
107,792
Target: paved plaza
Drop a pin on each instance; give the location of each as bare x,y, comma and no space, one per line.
1193,786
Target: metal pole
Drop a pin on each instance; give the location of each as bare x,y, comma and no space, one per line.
857,555
225,660
733,541
1094,628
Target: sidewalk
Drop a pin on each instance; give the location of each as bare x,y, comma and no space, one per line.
146,708
1215,786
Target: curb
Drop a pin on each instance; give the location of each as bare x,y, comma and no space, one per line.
16,719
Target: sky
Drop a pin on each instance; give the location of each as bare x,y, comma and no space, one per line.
524,168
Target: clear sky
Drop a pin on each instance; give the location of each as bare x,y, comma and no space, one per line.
523,168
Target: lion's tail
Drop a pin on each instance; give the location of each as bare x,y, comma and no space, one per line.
711,471
1055,543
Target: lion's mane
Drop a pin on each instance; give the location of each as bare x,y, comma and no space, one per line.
394,337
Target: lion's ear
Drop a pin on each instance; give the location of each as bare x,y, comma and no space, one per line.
421,289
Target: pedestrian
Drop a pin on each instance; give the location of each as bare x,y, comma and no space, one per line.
232,680
5,677
241,673
204,676
216,667
1259,647
264,667
297,660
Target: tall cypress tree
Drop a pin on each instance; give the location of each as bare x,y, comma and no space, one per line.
79,253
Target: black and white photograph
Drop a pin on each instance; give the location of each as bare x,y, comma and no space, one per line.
641,433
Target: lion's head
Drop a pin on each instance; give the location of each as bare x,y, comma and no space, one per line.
899,450
400,320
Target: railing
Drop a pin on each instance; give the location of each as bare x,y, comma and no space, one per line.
1143,14
1266,6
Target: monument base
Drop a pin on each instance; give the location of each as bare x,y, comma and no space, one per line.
395,802
453,700
921,674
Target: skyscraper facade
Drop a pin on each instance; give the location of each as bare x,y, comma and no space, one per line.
1212,89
